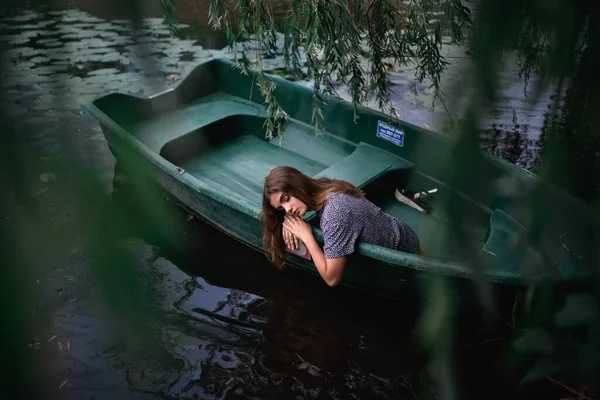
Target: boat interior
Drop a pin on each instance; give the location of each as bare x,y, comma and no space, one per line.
228,149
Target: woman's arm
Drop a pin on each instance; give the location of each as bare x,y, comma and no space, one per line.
331,269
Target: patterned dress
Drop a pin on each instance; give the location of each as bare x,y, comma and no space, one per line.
347,220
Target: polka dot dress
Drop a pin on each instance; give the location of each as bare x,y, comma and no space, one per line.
347,221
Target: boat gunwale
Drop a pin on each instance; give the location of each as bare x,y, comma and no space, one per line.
392,257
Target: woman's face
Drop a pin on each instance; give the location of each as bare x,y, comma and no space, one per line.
288,203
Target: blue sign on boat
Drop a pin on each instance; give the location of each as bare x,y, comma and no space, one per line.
390,133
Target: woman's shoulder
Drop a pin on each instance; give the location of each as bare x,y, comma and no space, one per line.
339,206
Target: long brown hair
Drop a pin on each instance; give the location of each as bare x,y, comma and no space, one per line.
312,192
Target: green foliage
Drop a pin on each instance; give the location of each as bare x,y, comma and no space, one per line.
534,340
166,7
579,309
569,348
333,37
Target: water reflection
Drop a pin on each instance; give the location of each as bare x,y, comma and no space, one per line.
241,328
230,324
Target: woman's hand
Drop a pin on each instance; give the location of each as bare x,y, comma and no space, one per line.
298,227
290,240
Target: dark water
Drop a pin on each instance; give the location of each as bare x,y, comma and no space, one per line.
227,324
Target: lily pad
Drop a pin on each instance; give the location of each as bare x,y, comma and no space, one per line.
111,57
131,77
96,43
59,54
9,38
47,99
90,89
45,70
36,120
108,34
83,25
91,19
147,39
121,41
26,80
39,60
92,50
50,40
41,107
89,58
69,19
24,52
105,71
19,67
28,16
15,110
33,34
60,114
60,80
20,41
144,51
70,36
107,26
165,32
80,34
122,28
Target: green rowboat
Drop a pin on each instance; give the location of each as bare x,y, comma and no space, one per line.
204,142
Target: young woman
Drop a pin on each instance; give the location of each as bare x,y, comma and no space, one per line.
346,218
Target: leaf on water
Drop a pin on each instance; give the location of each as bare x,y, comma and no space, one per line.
99,43
18,42
35,192
36,120
23,52
48,177
48,70
63,383
92,19
105,71
534,341
39,60
107,26
28,16
110,57
57,67
46,41
579,308
122,28
59,114
8,38
41,107
109,34
15,110
54,44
